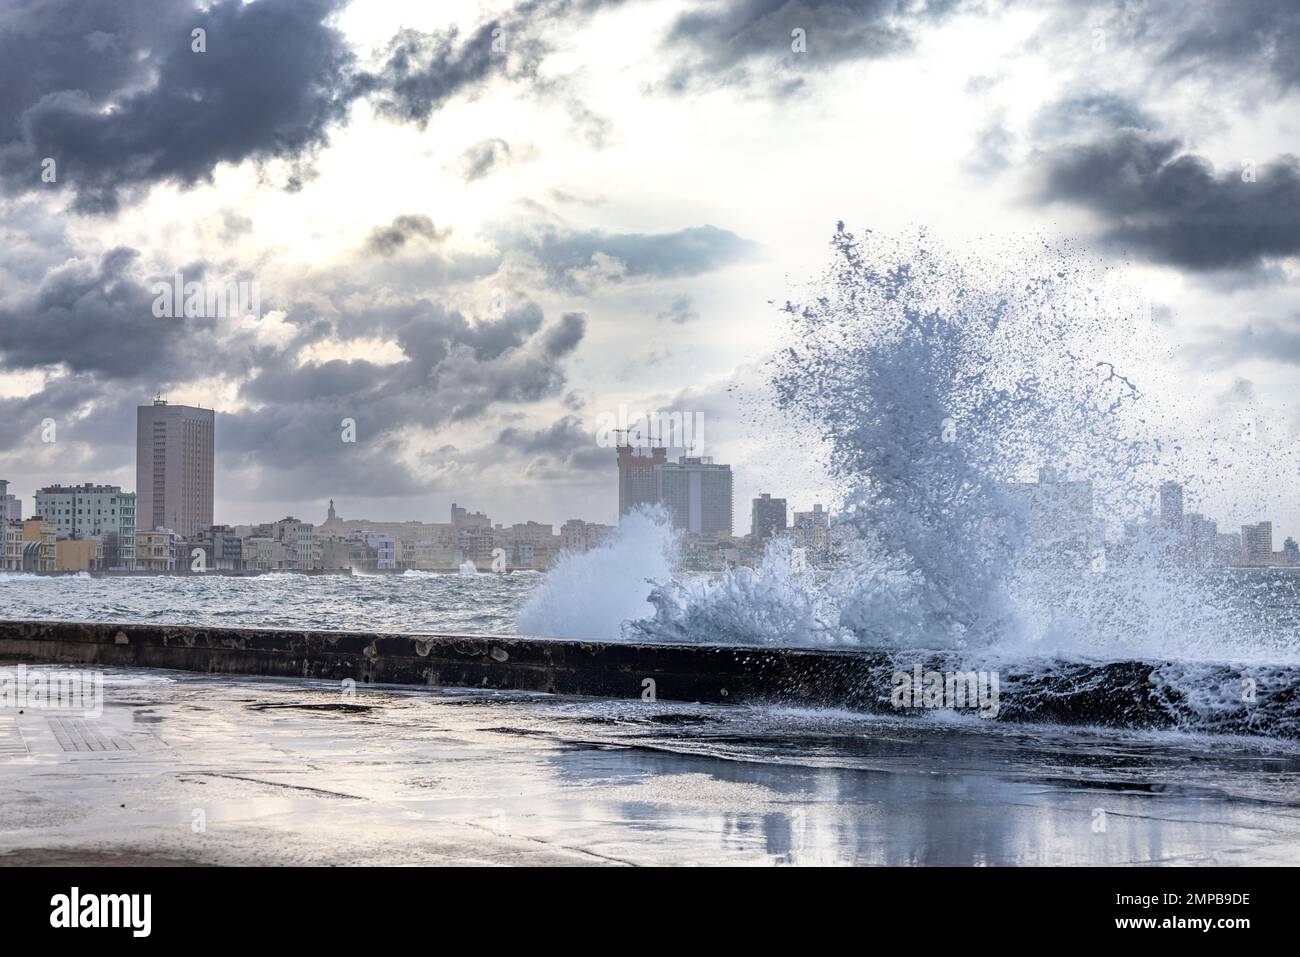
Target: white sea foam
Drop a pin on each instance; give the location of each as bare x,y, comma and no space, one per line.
591,594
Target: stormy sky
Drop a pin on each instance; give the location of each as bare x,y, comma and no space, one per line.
478,228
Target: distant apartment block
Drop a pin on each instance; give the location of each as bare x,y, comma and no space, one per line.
697,494
264,554
696,491
174,467
1200,539
102,512
11,508
767,516
223,549
301,548
1257,544
812,530
579,536
1171,506
36,549
462,518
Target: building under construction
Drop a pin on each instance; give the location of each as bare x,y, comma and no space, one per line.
696,491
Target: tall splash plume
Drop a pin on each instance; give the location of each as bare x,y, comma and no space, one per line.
930,382
935,387
933,382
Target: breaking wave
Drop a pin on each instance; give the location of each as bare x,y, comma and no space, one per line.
592,594
936,389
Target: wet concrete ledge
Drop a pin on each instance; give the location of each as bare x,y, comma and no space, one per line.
1130,694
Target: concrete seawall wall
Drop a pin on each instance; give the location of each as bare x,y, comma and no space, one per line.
1121,694
679,672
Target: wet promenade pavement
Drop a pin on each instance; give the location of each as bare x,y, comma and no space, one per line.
194,769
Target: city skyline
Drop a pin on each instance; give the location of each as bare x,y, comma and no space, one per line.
696,493
464,273
639,473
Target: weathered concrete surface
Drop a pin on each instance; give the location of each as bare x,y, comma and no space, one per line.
600,669
196,769
1125,694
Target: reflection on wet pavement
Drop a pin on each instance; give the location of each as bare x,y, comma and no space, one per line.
211,769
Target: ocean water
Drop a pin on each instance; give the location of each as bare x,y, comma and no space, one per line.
598,597
410,602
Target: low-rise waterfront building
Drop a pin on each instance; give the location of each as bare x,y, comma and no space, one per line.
382,546
11,548
78,555
222,549
579,536
155,550
29,545
88,511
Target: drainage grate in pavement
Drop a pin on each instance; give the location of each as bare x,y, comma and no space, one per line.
78,734
11,739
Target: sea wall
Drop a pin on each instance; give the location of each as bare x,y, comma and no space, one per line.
1131,694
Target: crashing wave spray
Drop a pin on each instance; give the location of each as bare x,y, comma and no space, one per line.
934,383
591,594
935,386
779,599
931,384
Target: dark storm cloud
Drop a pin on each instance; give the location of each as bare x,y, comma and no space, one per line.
565,443
293,451
1081,115
91,317
566,255
481,158
89,325
56,46
386,240
1216,38
1173,207
737,41
422,71
428,334
62,398
453,368
564,338
561,437
273,79
116,96
314,381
